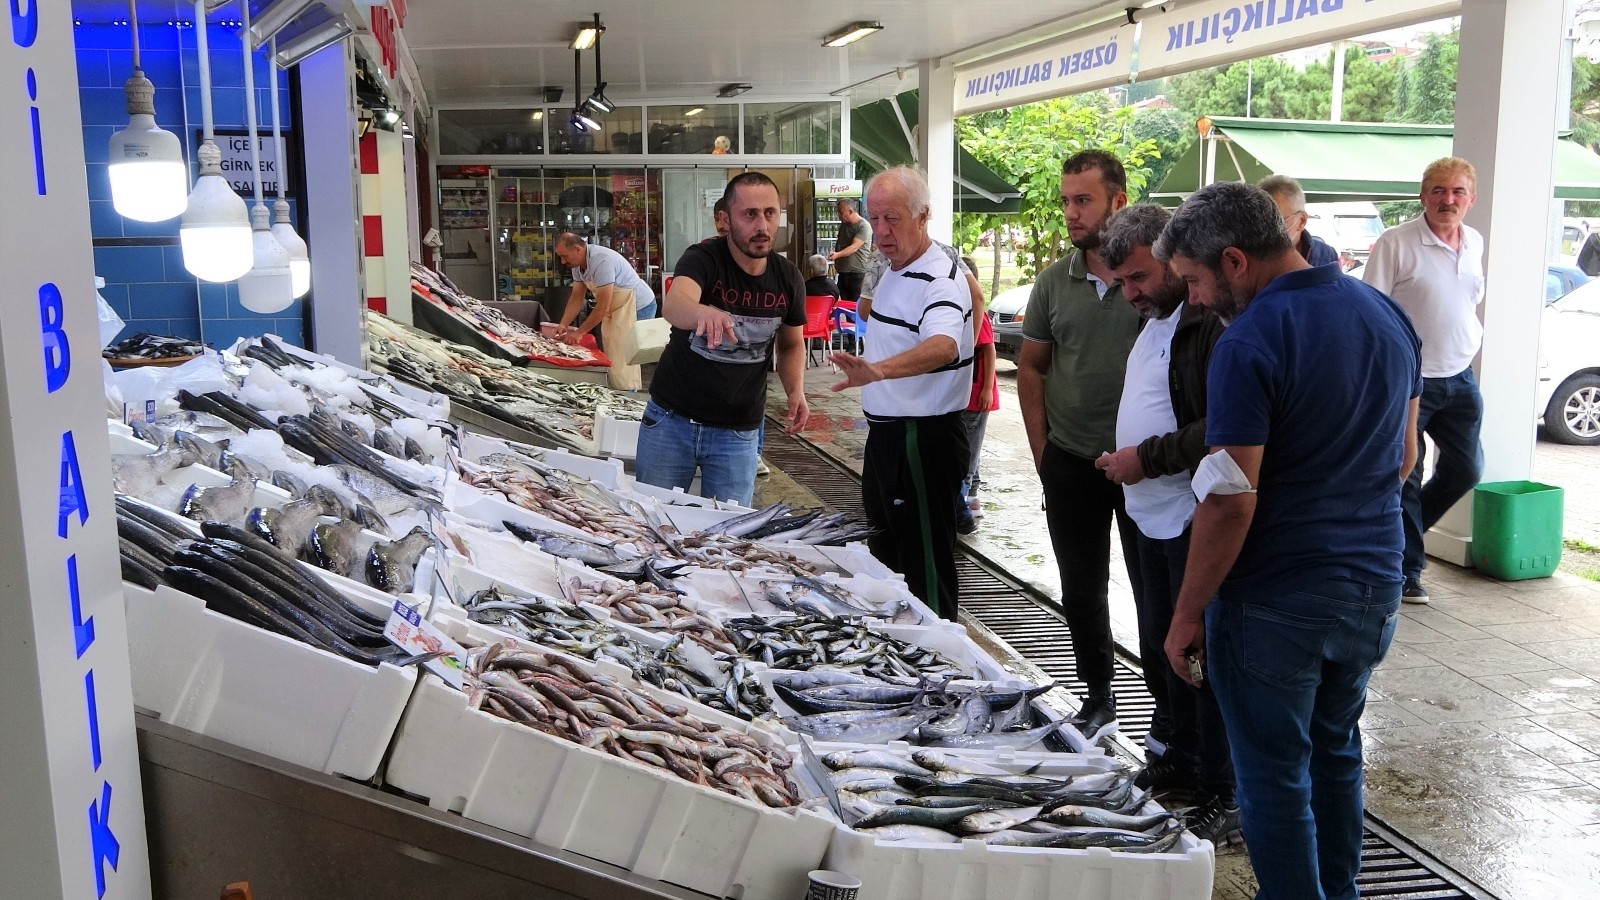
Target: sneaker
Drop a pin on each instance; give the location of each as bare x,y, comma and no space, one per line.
1215,822
761,467
1413,591
1097,717
1164,775
966,524
975,506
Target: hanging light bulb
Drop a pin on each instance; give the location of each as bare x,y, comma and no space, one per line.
282,228
268,286
215,234
149,179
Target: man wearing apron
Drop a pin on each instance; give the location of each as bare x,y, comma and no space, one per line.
621,298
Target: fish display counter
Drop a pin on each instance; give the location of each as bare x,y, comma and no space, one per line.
613,672
443,309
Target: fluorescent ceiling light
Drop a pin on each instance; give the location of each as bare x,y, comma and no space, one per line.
851,33
587,35
696,111
733,89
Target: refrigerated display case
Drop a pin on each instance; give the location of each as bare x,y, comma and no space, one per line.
526,227
819,205
464,226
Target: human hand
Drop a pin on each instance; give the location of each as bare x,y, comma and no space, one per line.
1122,466
1186,638
716,326
857,371
799,412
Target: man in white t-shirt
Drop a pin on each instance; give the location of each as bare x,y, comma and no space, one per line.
1160,434
621,297
1433,268
916,379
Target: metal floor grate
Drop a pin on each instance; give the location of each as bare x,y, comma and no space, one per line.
1035,631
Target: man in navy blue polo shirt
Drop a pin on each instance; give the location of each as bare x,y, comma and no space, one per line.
1311,414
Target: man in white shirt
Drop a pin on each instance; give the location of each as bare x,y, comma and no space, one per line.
1433,268
1161,427
916,378
621,297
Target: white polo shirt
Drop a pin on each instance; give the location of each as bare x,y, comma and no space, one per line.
1161,507
1439,287
922,300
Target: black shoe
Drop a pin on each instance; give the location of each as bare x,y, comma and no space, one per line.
1097,717
1165,775
1216,822
966,524
1413,591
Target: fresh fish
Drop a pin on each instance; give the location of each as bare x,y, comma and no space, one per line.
340,548
1103,818
858,728
940,801
204,451
290,482
227,503
741,525
1084,838
586,552
927,816
138,474
918,833
392,567
1016,740
380,494
385,440
985,821
845,759
286,526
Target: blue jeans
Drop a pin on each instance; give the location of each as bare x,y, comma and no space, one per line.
1451,412
648,312
1290,672
672,447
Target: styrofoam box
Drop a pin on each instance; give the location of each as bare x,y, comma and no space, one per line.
469,581
230,680
616,437
605,472
573,798
912,870
675,497
420,403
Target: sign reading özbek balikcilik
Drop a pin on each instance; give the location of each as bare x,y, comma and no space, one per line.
1079,62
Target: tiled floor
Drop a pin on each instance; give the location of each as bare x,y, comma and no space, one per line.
1482,729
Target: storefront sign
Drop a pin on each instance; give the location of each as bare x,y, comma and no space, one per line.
236,161
1210,33
387,22
73,822
835,188
1080,62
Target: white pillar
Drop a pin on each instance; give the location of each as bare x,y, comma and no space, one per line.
1506,127
71,806
936,143
333,219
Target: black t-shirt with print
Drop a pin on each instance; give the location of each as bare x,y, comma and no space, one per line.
727,386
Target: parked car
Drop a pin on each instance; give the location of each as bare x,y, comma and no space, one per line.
1560,281
1568,395
1351,227
1005,314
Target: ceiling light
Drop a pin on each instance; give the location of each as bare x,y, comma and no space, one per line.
270,17
268,286
598,101
308,34
552,94
851,33
149,178
581,122
282,228
696,111
733,90
215,234
389,118
587,34
538,115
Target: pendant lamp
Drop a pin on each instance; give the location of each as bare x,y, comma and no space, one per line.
149,178
267,287
282,229
215,234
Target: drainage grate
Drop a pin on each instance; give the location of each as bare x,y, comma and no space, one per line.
1036,632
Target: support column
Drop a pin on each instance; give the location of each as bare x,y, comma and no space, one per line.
936,143
333,222
71,807
1514,46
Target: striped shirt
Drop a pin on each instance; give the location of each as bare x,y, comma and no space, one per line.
926,298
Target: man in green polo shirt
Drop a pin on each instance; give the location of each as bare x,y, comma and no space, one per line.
1078,332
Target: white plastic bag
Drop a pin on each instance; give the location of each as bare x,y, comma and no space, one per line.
161,383
111,324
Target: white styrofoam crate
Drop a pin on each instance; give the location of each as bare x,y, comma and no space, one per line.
421,404
628,814
469,581
914,870
605,472
616,437
676,497
230,680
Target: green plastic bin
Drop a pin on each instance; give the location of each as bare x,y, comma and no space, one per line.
1516,529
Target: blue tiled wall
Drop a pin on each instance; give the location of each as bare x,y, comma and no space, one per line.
147,285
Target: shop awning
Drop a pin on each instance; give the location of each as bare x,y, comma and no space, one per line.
881,137
1347,160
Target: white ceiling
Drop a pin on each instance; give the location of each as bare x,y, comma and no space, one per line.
506,51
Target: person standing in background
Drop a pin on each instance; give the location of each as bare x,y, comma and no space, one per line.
1433,267
733,303
1290,199
621,298
1077,335
985,398
851,249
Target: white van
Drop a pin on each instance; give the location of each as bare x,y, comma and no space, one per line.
1351,227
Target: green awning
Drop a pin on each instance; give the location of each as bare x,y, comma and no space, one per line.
1347,160
879,141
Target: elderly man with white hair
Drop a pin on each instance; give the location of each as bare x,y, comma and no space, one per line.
916,378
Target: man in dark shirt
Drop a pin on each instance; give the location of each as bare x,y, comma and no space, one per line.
818,284
732,301
1290,199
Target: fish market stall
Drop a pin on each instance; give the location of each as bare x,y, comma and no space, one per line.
438,306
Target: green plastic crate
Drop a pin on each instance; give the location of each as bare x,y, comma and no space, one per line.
1516,529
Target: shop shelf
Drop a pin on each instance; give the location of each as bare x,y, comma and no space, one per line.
562,795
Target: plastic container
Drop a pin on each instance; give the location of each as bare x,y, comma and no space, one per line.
573,798
230,680
1516,529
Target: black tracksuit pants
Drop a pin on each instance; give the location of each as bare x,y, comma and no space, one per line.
910,479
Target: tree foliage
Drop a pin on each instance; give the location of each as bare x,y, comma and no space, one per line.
1425,92
1027,147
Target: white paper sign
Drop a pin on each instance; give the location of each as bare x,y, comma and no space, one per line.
407,630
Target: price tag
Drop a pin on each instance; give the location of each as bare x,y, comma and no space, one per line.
407,630
134,412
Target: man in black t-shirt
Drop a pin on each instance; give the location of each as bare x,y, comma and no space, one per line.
732,302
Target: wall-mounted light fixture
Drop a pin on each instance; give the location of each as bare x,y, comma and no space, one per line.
851,33
270,18
308,34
